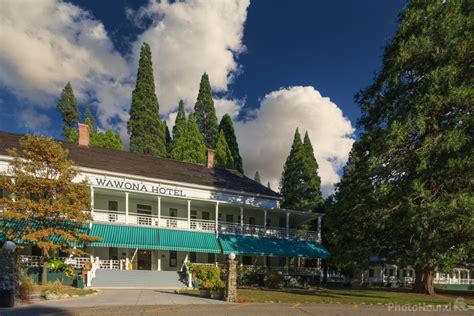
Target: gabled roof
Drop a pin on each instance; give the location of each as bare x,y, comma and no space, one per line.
152,167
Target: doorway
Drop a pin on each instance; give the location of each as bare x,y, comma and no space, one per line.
144,260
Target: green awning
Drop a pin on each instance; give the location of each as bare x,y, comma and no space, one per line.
261,246
121,236
181,240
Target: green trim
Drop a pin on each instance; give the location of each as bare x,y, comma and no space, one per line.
261,246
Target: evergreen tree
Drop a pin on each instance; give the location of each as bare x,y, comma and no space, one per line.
205,113
417,145
227,127
188,145
179,127
256,177
223,156
90,120
312,198
147,133
269,185
107,139
67,106
291,181
167,138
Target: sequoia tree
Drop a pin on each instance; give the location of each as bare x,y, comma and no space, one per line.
45,208
188,145
167,138
205,113
67,106
311,194
223,156
417,131
147,133
227,127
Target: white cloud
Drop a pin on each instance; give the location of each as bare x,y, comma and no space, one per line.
266,140
32,120
189,38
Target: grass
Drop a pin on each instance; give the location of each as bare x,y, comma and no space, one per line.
342,296
58,288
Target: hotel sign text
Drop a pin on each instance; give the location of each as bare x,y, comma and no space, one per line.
139,187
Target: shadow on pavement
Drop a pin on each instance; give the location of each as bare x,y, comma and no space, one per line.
33,310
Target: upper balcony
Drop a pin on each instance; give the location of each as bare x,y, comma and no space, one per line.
200,215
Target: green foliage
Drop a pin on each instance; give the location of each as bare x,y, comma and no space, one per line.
167,138
290,184
227,127
147,133
413,166
107,139
223,156
188,144
273,280
90,121
256,177
57,264
208,276
312,199
179,128
67,106
205,113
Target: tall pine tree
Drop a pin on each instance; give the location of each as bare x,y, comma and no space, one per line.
223,156
311,195
227,127
67,106
147,133
90,120
188,143
179,127
205,113
291,181
167,138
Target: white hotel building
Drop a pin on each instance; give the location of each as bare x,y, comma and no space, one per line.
155,213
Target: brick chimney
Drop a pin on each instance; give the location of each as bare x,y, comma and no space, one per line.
210,158
84,137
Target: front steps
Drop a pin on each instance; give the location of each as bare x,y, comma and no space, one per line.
139,279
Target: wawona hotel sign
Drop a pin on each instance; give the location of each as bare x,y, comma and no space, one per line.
139,187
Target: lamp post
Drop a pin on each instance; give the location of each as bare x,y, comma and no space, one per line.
9,283
231,284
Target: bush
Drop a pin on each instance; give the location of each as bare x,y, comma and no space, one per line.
27,285
58,265
208,277
273,280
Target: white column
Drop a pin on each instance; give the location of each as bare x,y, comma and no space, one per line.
189,215
287,225
159,262
92,202
126,207
265,222
241,220
159,217
217,216
319,229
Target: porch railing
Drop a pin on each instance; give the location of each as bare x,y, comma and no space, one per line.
202,225
35,261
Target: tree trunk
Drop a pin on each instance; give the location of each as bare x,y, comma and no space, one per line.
44,273
418,285
425,285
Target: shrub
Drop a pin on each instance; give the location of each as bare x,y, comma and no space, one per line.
273,280
56,264
209,277
27,285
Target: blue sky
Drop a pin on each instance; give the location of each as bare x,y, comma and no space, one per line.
266,59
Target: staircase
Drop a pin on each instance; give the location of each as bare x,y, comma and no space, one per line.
137,279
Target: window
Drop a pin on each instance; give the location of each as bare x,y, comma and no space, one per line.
192,257
269,222
193,214
173,212
205,215
268,261
252,220
281,261
391,272
229,218
211,258
371,273
219,217
113,206
113,253
143,209
173,258
238,219
282,221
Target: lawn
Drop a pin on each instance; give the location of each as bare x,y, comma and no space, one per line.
342,296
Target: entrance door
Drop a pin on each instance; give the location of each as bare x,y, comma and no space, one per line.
144,260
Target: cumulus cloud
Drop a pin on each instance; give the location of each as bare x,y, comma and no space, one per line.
48,43
189,38
265,141
32,120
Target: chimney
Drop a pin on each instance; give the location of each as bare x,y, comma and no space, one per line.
210,158
83,134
